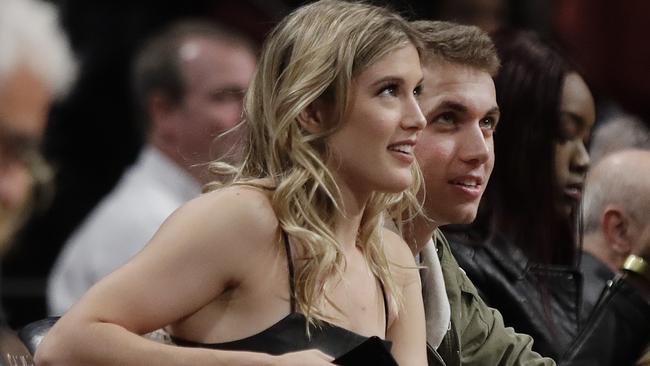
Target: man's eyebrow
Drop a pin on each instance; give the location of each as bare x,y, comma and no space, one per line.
493,111
453,105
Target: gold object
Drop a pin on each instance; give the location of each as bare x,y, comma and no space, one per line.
637,265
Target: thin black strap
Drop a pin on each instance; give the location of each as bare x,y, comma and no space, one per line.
383,294
292,284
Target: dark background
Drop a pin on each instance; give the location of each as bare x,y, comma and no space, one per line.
92,135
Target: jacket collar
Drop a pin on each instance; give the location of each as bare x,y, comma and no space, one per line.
508,256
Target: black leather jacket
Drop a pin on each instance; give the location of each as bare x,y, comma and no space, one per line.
595,273
615,334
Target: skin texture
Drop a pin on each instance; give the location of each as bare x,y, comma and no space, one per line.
216,74
459,103
229,279
577,116
24,102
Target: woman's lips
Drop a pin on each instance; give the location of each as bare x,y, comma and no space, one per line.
573,192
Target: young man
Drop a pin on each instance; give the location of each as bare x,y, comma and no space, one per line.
456,154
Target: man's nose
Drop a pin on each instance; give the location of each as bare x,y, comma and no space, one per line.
475,148
15,185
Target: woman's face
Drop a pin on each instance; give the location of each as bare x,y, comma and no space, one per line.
577,115
373,149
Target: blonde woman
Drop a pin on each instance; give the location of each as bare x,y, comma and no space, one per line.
288,264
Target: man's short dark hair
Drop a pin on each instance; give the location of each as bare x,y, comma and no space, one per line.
456,43
157,68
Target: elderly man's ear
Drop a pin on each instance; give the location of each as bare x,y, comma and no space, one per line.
616,230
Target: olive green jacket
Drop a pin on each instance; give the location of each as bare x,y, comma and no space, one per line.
476,335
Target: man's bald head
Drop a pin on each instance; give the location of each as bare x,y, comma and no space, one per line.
617,204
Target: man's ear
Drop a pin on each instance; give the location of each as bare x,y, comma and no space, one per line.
162,116
312,118
615,225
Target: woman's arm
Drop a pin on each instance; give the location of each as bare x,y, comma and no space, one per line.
407,331
199,250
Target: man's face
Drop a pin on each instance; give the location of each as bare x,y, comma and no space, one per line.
455,150
24,102
639,226
216,76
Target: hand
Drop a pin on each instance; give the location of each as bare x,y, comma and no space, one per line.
310,357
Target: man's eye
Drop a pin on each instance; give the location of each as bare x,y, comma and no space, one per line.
418,90
446,118
17,151
227,95
488,122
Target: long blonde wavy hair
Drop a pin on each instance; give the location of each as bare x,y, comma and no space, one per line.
316,52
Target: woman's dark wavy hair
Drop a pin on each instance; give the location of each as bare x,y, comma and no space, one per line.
520,198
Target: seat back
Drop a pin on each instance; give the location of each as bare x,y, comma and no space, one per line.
33,333
12,350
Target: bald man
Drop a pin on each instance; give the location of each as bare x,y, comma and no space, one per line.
616,218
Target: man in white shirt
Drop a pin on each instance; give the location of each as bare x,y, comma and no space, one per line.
189,82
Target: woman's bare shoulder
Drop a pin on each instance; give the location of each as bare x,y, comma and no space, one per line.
238,213
235,205
397,250
395,246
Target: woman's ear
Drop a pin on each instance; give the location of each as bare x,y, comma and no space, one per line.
312,118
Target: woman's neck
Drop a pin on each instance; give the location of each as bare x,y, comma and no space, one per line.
352,208
348,220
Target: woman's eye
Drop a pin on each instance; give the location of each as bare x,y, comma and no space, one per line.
568,129
389,90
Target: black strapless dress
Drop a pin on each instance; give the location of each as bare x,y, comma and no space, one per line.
289,335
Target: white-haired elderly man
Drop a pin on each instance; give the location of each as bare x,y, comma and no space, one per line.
36,67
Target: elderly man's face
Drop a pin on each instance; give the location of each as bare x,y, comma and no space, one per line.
24,101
